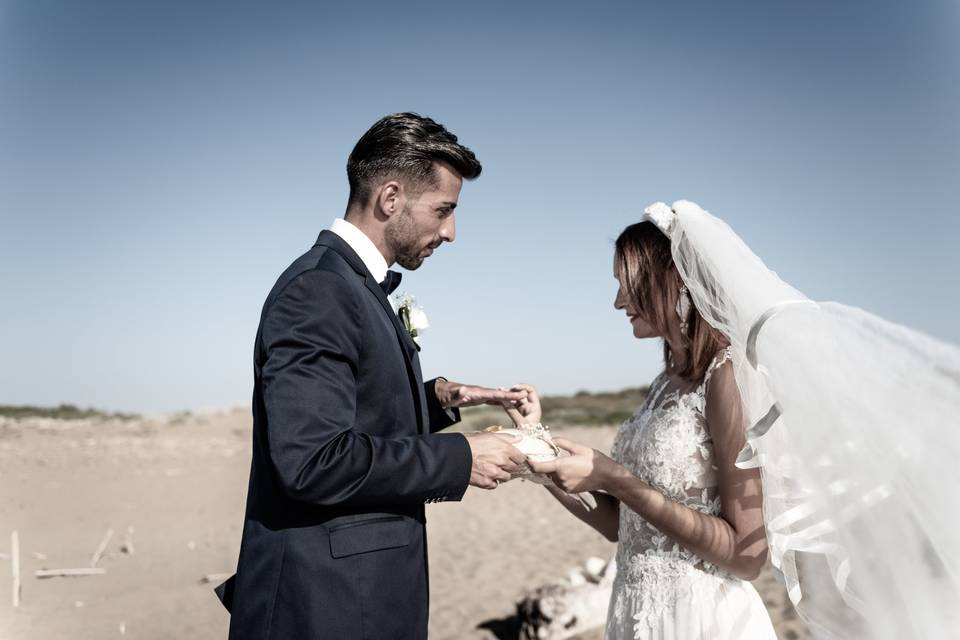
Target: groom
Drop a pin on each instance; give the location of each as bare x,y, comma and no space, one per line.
345,449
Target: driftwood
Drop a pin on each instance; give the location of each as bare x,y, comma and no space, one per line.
562,610
69,573
101,548
15,567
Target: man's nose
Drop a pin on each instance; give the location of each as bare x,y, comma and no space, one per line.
448,230
618,301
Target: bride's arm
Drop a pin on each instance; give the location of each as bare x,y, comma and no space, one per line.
605,517
735,540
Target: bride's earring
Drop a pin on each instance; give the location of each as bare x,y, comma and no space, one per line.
683,308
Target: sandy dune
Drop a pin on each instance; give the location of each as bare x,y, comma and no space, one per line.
181,484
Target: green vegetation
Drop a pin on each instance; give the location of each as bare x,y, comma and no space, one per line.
581,409
62,412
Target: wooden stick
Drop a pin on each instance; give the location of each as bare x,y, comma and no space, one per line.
69,573
103,547
15,555
127,547
128,541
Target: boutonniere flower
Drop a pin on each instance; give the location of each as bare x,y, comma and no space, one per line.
411,314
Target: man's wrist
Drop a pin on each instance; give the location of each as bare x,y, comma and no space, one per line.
441,389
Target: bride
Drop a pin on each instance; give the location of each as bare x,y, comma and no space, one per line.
814,432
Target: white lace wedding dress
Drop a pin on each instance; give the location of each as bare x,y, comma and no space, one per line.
661,590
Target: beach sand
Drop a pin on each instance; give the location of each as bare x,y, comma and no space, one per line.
180,483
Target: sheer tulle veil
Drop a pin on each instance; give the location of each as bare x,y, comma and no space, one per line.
852,421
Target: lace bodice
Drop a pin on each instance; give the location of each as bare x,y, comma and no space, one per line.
666,444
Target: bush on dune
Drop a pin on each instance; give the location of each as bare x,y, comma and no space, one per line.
61,412
581,409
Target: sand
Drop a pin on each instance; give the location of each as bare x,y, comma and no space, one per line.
180,483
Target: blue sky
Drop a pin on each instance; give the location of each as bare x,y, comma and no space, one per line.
161,163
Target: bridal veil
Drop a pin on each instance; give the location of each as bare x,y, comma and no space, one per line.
852,421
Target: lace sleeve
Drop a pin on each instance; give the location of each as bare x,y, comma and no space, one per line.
718,360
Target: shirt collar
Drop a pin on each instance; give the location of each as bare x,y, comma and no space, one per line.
372,259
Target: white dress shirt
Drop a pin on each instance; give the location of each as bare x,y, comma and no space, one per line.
372,259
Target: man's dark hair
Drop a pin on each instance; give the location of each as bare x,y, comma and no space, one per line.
404,146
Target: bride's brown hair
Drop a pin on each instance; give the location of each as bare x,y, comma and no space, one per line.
651,284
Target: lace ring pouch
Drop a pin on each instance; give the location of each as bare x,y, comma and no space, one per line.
537,445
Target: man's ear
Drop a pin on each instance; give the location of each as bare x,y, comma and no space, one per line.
389,198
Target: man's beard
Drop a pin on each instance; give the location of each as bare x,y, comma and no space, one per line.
402,238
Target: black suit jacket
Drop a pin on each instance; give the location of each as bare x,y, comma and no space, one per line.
344,458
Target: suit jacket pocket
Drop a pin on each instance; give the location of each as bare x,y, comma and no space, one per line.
369,535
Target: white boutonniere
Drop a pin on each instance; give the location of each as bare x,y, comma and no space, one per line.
411,314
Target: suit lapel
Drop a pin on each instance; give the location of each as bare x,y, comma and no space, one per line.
329,239
409,348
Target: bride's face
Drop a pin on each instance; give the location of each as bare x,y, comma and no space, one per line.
641,328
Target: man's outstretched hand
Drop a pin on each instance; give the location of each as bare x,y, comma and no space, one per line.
456,394
494,457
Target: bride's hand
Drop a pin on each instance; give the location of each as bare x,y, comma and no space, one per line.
585,469
527,410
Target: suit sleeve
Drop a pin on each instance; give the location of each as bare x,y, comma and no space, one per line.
311,338
440,418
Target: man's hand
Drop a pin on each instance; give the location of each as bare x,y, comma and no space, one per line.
494,457
455,394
